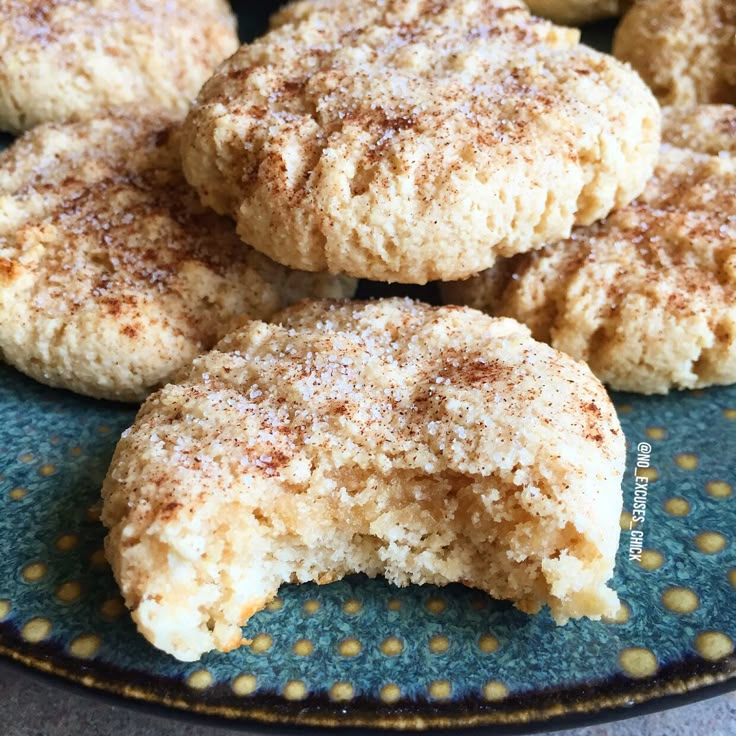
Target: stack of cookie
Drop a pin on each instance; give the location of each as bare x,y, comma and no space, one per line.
113,275
401,141
647,297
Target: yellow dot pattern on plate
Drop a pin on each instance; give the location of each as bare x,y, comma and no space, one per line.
729,413
350,647
621,616
494,691
112,608
200,679
67,542
36,630
392,646
638,662
651,559
439,644
650,474
103,429
245,684
626,521
624,408
303,647
311,606
4,609
295,690
713,645
390,693
686,461
275,605
394,604
85,646
440,689
436,605
677,506
718,489
341,691
69,592
97,559
75,451
33,572
47,469
261,643
488,644
710,543
680,600
352,607
26,457
18,494
656,433
732,577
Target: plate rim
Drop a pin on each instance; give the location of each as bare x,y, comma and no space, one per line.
638,699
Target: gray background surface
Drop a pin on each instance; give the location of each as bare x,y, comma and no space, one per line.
31,707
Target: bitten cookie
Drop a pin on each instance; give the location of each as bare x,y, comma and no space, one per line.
648,297
415,140
65,58
575,12
429,445
112,274
685,50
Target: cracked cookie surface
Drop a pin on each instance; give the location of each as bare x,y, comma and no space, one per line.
416,140
647,297
112,274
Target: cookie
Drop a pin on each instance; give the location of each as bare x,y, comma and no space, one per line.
647,297
65,58
416,140
574,12
685,50
429,445
112,274
703,128
565,12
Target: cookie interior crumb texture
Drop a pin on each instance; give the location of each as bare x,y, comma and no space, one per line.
417,140
648,297
112,274
429,445
65,58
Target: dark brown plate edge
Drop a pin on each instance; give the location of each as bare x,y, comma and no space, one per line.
671,688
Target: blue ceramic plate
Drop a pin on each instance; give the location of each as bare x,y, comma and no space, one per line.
360,652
